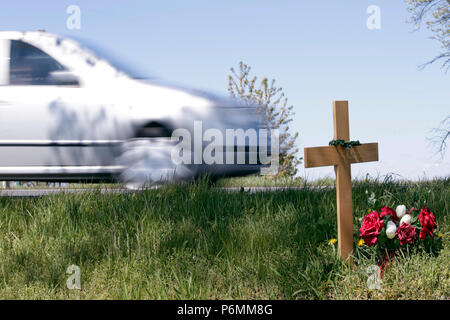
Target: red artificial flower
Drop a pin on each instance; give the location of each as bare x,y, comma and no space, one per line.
406,233
389,211
371,227
428,222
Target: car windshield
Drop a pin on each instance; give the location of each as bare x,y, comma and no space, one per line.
117,63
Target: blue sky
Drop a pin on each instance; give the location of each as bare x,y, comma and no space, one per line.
318,51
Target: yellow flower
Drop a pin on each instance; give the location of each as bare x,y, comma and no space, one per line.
360,242
440,235
332,241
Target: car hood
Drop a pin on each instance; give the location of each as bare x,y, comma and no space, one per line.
216,99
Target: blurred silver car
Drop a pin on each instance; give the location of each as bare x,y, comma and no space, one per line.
68,114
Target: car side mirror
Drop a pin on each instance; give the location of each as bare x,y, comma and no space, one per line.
63,78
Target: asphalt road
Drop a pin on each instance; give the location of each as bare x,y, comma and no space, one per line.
49,191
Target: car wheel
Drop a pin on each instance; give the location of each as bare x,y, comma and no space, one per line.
147,162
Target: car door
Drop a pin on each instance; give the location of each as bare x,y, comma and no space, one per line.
49,124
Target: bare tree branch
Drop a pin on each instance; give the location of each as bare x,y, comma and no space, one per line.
436,15
441,135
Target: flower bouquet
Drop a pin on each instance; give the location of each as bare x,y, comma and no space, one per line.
391,231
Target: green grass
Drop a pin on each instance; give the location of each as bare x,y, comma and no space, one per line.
195,242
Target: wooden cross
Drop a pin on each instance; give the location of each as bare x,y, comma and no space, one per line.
341,158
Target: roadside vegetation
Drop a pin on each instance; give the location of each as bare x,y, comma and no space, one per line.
199,242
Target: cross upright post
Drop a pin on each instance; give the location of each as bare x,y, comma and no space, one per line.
343,182
341,158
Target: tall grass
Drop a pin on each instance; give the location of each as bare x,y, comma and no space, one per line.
198,242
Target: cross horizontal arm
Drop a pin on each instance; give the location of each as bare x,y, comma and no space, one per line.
336,155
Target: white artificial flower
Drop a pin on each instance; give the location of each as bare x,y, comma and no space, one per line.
372,199
391,224
401,211
390,233
391,228
406,219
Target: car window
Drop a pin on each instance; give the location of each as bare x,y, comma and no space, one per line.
114,61
30,65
